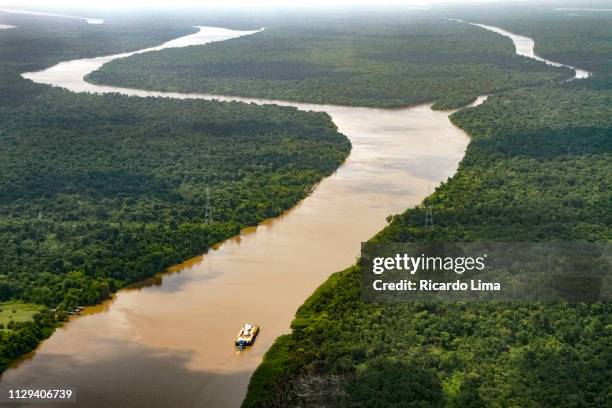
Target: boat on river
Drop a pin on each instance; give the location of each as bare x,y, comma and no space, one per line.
246,336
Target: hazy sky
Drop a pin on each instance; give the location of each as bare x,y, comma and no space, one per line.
115,4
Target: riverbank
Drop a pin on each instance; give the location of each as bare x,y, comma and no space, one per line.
369,64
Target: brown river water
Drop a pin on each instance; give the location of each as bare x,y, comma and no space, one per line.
168,342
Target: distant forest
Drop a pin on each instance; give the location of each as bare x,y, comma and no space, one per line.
539,167
371,60
100,191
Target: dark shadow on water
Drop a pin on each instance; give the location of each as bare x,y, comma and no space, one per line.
137,376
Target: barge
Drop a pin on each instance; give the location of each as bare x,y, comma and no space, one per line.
246,336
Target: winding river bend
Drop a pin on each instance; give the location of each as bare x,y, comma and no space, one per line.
525,46
168,341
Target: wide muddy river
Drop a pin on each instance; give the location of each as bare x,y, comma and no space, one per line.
169,341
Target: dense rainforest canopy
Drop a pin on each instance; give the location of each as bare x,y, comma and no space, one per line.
100,191
539,167
363,59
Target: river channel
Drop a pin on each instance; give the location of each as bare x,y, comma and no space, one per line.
168,341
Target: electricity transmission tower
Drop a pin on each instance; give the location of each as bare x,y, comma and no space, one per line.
208,214
428,214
